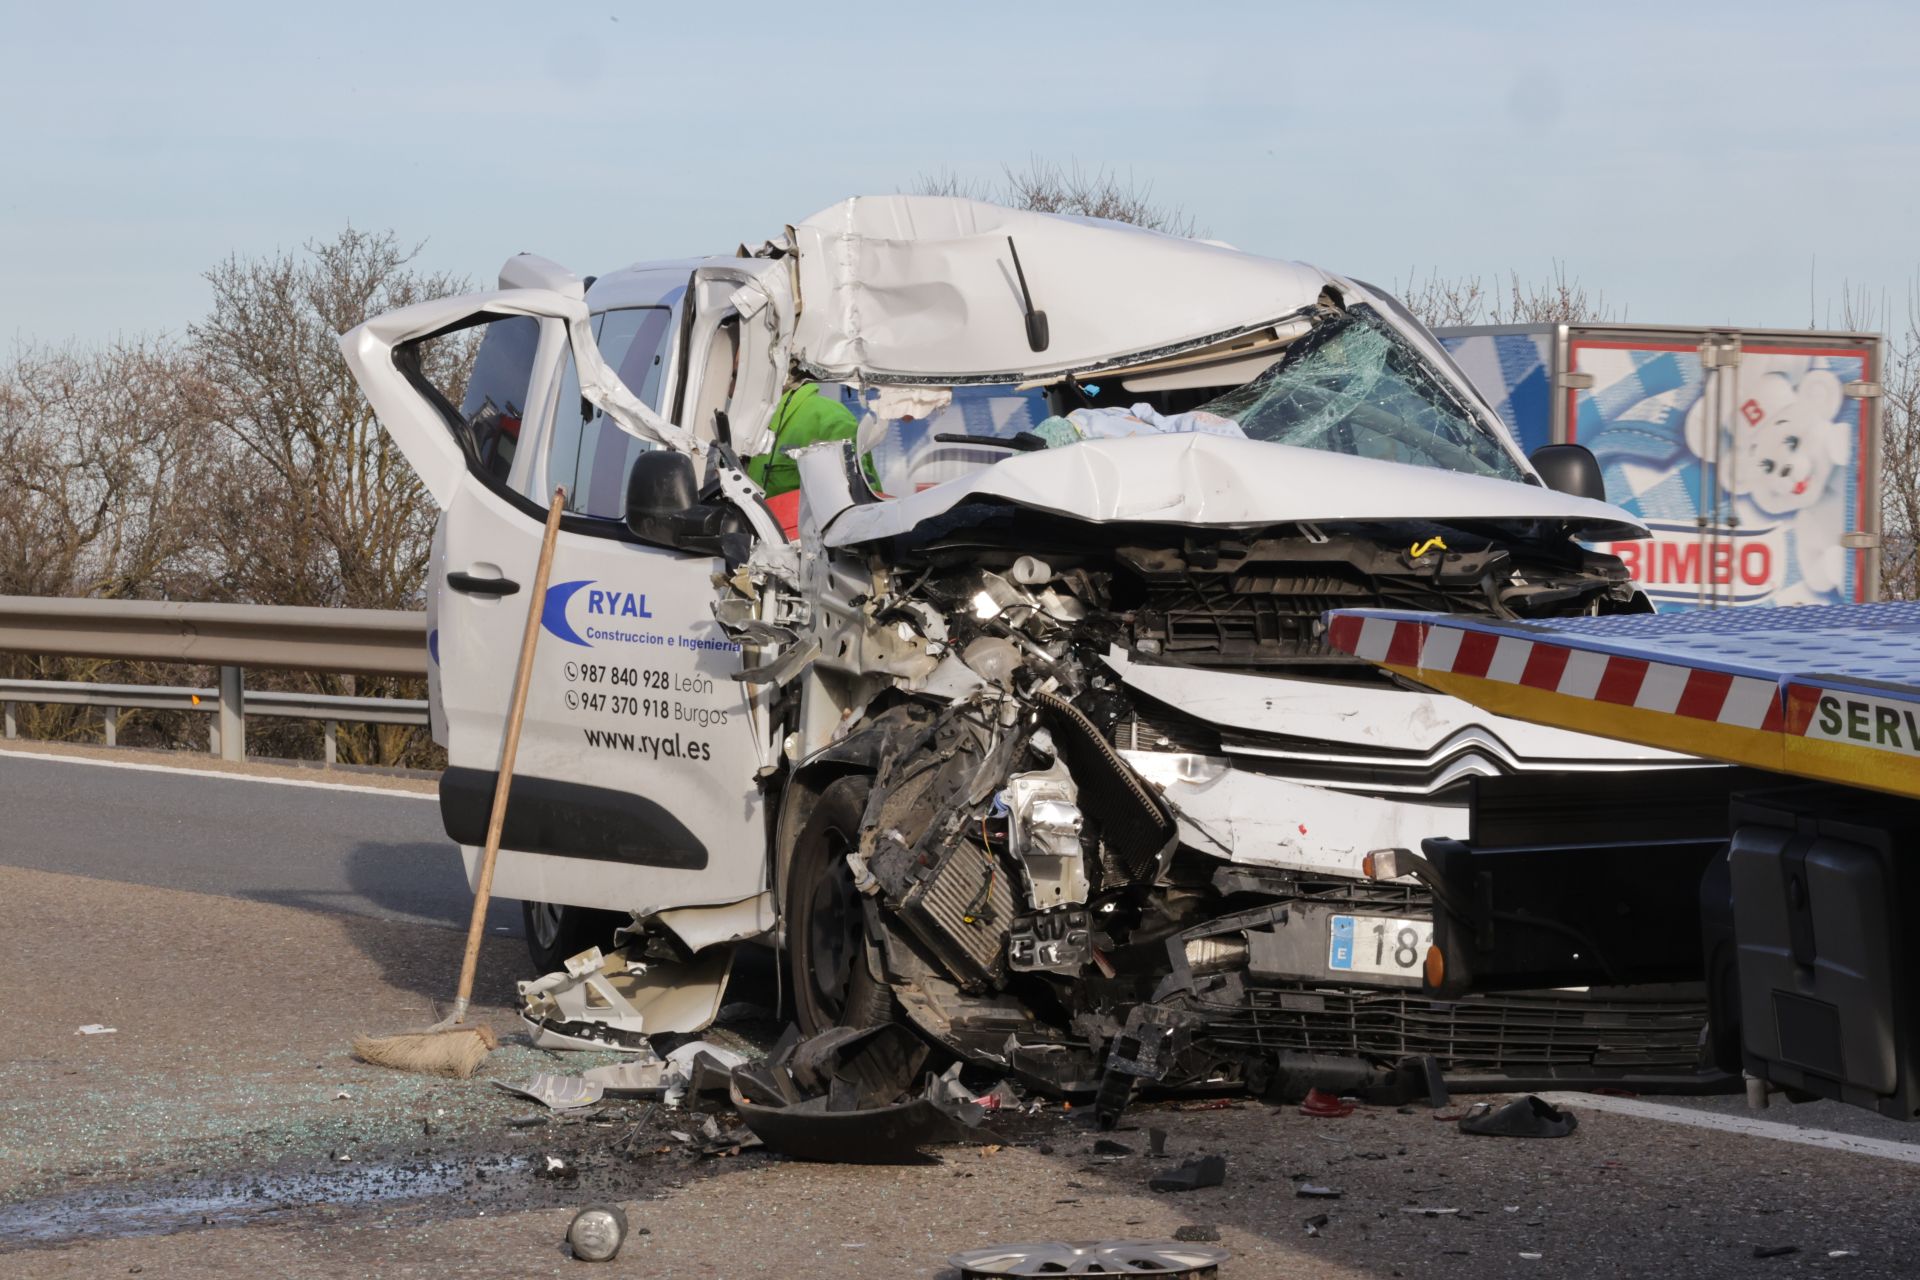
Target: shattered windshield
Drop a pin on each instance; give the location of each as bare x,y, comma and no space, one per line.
1353,385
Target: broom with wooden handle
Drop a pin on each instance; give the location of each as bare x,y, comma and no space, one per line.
449,1048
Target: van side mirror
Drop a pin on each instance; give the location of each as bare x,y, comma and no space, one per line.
662,483
1570,468
664,508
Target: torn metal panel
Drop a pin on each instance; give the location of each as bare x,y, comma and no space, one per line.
1268,821
899,287
435,454
702,927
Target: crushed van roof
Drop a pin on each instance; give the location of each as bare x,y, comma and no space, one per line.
910,288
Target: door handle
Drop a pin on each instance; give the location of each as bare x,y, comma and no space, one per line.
473,586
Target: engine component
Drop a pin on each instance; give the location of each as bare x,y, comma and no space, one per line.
1153,1037
930,853
1215,955
1135,829
1044,822
1051,942
993,660
962,909
1146,1049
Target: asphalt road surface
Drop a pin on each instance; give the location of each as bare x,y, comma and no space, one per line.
350,850
237,934
345,849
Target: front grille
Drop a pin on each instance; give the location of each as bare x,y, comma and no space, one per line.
1495,1033
1268,612
1207,620
1438,773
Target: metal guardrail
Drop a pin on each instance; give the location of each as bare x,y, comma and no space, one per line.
384,642
229,636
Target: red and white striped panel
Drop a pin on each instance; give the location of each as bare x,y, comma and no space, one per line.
1744,702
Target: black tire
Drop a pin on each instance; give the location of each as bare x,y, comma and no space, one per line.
826,927
555,934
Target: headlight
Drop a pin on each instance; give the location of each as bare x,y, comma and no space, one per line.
597,1232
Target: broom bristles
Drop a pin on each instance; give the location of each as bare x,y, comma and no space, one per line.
457,1052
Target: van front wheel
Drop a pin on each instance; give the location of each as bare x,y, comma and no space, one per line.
825,924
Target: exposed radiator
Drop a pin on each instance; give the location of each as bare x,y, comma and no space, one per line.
963,910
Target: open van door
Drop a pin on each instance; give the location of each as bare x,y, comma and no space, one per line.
635,785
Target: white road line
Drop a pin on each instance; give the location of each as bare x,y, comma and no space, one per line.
218,773
1905,1152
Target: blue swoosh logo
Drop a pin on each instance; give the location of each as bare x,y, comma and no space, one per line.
554,615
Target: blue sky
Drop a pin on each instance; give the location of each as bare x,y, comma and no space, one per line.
1691,161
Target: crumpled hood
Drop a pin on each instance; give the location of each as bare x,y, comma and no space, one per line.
1219,481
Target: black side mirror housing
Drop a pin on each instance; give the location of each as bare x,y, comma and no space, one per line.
661,483
1570,468
664,507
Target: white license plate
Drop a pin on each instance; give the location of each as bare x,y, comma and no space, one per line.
1378,944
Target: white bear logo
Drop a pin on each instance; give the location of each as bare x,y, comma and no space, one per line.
1784,444
1779,458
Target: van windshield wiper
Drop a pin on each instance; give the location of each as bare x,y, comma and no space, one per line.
1020,441
1037,338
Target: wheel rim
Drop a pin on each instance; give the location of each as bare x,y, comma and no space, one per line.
545,917
1091,1258
834,940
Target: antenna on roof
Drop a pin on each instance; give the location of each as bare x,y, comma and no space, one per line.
1036,320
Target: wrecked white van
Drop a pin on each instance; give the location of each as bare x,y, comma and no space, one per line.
1021,726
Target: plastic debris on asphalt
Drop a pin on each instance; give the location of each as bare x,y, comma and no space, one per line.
846,1096
1527,1117
643,1078
556,1092
696,1065
1324,1105
1207,1171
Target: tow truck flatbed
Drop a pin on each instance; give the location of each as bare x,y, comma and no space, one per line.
1795,915
1829,692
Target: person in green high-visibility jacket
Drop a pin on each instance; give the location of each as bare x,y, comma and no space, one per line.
803,417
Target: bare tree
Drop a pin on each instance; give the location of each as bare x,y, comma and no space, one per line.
1046,186
317,506
1441,301
1900,459
241,465
328,512
106,462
